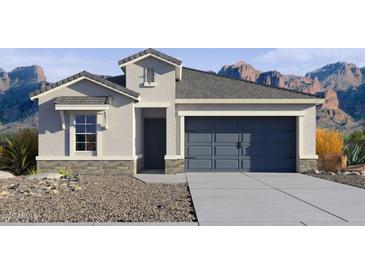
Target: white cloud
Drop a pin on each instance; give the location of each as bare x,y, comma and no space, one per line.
301,61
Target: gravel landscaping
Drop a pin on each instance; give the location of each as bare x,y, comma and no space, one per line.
348,178
93,199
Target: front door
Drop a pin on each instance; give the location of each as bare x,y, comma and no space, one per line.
154,143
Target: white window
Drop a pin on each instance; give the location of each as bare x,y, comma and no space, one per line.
149,77
85,126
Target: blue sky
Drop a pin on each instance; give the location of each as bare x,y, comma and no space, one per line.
60,63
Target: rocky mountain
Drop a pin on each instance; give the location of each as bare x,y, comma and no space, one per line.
339,76
240,70
16,109
341,84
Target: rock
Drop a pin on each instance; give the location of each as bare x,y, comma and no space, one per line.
40,176
331,100
271,78
54,185
331,173
6,175
22,188
55,191
13,186
240,70
338,76
314,171
4,193
355,173
46,189
75,187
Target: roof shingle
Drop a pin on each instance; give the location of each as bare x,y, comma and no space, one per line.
150,51
196,84
89,75
83,100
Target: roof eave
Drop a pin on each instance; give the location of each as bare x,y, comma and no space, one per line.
178,67
35,95
298,101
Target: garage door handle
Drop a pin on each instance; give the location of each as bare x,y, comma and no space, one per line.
239,145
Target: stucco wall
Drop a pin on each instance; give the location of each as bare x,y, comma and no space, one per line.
309,131
139,131
163,92
117,140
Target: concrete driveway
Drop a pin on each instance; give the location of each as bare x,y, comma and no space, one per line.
274,199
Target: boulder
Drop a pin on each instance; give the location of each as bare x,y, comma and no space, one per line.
41,176
6,175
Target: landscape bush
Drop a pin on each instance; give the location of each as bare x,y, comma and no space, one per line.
357,137
329,141
355,154
19,152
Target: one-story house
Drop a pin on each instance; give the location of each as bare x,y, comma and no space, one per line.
161,115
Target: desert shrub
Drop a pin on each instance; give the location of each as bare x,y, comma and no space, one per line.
329,141
355,137
64,172
19,152
32,171
355,154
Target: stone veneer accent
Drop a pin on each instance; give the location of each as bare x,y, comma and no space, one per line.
174,166
140,164
99,167
307,165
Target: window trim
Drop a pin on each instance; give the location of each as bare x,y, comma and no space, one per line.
147,75
85,124
72,134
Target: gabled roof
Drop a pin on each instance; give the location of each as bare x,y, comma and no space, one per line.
83,100
147,52
82,75
196,84
176,63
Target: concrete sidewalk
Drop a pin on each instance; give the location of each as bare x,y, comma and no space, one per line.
274,199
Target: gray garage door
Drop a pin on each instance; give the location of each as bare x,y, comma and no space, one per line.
240,144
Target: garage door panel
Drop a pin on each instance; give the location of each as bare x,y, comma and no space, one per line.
253,123
199,164
199,124
267,144
255,165
204,137
254,137
204,151
281,123
281,137
226,164
282,151
254,151
226,137
226,124
226,151
281,165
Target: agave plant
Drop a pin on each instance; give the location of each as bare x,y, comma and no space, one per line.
355,154
19,151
